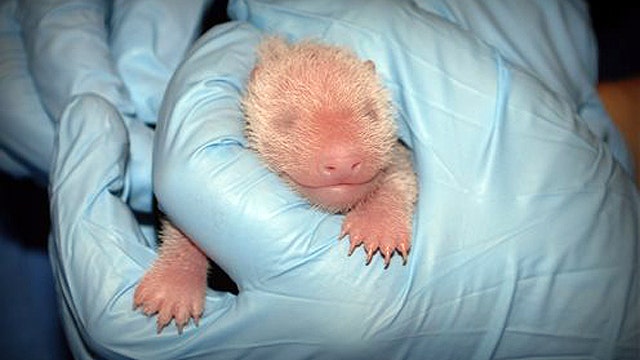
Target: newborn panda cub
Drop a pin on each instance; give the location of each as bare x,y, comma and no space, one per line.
321,119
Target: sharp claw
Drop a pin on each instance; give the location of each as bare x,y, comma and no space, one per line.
343,233
404,252
387,257
195,314
352,248
180,327
354,244
159,328
370,252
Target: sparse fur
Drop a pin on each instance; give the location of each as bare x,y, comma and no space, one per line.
319,117
304,98
293,83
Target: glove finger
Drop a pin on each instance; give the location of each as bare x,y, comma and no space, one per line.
26,133
213,187
139,165
148,40
67,43
97,247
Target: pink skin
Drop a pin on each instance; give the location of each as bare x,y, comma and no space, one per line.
339,173
377,197
382,220
320,118
175,285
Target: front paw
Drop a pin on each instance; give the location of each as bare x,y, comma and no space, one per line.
378,229
172,293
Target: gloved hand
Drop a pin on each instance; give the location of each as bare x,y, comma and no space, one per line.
521,211
68,50
26,133
53,51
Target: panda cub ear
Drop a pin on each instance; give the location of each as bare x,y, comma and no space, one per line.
273,48
371,65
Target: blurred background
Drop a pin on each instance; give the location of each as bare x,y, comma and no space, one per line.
31,328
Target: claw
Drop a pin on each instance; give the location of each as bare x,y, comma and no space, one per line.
404,252
370,252
355,242
387,256
148,311
352,248
163,319
195,314
343,232
180,327
159,327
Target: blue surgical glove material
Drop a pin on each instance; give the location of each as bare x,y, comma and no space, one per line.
51,54
148,40
53,51
553,44
26,133
525,241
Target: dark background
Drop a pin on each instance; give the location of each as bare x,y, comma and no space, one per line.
30,317
617,28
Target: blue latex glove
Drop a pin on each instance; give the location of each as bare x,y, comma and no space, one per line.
53,51
552,41
26,134
526,232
